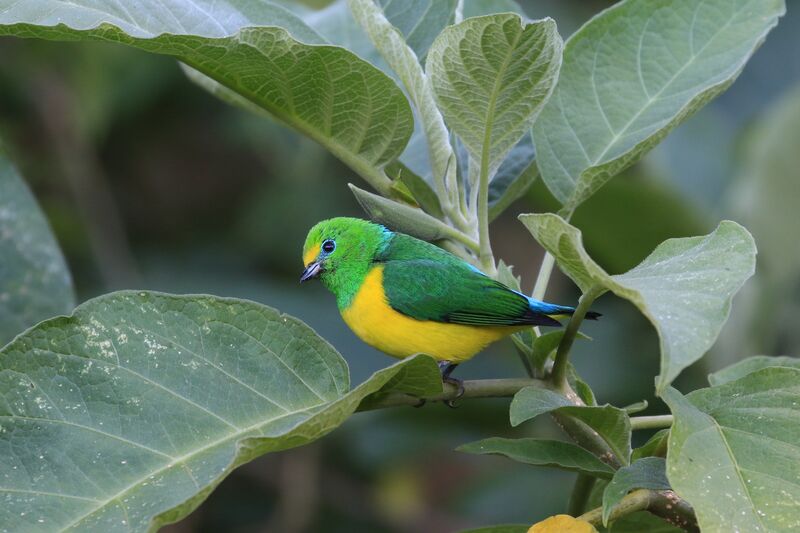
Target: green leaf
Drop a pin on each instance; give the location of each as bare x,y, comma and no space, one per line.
583,390
540,452
610,423
632,74
402,217
34,279
546,344
422,192
127,414
647,473
419,21
684,287
491,75
391,44
325,92
750,365
734,452
514,177
642,521
656,446
479,8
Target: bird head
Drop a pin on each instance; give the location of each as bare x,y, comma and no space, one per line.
340,252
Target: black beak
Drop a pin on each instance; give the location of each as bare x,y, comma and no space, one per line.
312,271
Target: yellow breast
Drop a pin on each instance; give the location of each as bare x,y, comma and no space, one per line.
377,324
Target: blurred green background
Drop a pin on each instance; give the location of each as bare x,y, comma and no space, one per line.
150,182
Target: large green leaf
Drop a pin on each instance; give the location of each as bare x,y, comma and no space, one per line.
635,72
34,280
750,365
125,415
646,473
258,51
734,452
610,423
491,75
684,287
539,452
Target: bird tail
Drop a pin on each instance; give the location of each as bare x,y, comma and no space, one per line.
558,311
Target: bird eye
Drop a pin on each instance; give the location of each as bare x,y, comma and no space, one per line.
328,246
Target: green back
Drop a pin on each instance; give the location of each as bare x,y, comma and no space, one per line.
428,283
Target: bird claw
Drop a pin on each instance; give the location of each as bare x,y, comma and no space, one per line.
459,385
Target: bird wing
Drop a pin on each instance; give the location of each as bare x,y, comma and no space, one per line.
452,291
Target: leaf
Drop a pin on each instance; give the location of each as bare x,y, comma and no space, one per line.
391,44
514,177
34,279
684,287
479,8
325,92
750,365
642,521
610,423
541,452
632,74
422,192
647,473
491,75
734,451
562,523
419,21
402,217
656,446
127,414
583,390
545,344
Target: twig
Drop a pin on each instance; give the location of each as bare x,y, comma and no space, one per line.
482,388
651,422
665,504
562,354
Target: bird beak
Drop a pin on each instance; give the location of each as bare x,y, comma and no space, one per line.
312,271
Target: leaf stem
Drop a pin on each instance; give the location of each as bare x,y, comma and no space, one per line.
651,422
559,375
665,504
543,278
487,259
580,494
482,388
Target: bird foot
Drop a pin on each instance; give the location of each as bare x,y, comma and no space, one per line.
459,385
446,368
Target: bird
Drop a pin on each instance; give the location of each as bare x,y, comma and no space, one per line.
405,296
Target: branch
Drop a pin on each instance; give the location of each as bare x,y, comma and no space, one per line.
651,422
482,388
665,504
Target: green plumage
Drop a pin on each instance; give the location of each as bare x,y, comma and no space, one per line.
427,283
420,280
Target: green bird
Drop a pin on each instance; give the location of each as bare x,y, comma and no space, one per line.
406,296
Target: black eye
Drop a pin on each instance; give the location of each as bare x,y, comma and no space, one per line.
328,246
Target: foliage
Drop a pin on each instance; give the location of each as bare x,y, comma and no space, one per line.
126,414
